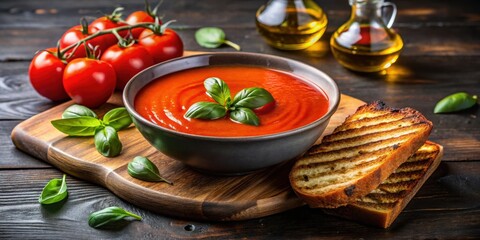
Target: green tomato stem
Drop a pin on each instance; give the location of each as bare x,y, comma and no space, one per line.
233,45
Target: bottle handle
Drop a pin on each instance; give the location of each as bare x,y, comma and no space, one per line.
389,21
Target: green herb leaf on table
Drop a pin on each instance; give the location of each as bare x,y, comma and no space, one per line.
109,216
107,142
76,110
206,110
117,118
213,37
252,98
78,126
245,116
55,191
455,102
218,90
144,169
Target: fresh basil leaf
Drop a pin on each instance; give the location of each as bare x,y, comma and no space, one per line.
245,116
76,110
213,37
117,118
252,98
142,168
206,110
79,126
55,191
455,102
109,216
218,90
107,142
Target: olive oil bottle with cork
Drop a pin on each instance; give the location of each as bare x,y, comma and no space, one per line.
291,24
366,42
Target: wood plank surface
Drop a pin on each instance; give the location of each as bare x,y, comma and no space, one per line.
193,195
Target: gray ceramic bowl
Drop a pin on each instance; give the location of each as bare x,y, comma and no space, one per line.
231,155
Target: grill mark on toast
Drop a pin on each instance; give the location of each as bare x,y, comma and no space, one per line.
368,122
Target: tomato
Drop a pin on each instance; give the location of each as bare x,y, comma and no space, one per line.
89,82
46,72
104,23
139,17
162,46
77,33
265,108
127,61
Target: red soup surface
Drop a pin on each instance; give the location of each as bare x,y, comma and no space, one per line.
165,101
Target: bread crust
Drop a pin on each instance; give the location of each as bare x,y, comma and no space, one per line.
343,195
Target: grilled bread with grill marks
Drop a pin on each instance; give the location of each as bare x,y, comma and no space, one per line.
359,155
382,206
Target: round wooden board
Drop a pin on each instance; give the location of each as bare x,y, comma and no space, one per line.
194,195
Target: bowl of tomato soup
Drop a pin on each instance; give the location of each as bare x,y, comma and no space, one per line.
304,100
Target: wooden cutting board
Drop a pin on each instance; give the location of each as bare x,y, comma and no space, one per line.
194,195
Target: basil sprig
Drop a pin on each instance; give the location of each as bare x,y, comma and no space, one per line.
55,191
240,108
108,216
80,121
144,169
213,37
455,102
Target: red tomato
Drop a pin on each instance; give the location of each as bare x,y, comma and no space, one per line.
75,34
46,72
89,82
104,23
162,46
127,61
139,17
265,108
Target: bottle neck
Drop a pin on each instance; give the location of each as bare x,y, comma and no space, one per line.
366,10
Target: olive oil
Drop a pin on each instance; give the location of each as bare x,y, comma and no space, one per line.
370,49
291,25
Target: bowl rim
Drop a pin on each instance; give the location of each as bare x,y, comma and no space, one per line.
330,112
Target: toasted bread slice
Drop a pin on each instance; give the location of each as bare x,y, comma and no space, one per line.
359,155
382,206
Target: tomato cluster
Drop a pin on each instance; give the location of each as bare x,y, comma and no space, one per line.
119,52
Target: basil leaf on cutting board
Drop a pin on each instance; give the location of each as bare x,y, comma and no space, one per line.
76,110
78,126
117,118
144,169
107,142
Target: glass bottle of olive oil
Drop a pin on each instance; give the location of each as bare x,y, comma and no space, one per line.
291,24
365,42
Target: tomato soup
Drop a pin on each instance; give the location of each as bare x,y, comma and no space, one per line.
164,101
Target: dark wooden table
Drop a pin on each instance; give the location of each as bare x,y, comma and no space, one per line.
441,56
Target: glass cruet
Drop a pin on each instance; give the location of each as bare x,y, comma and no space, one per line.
291,24
366,42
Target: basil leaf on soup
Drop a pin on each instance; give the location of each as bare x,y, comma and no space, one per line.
206,110
245,116
144,169
252,98
117,118
76,110
107,142
78,126
455,102
218,90
55,191
109,216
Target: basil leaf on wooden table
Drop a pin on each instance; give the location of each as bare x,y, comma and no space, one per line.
109,216
117,118
245,116
213,37
144,169
79,126
206,110
107,142
218,90
252,98
76,110
455,102
55,191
